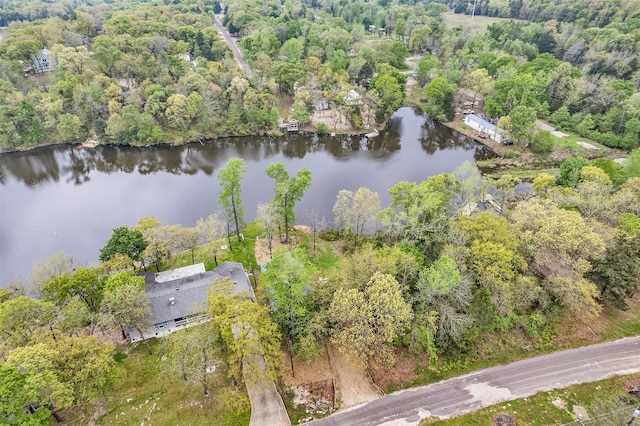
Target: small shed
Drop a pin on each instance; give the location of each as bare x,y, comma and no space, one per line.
293,126
44,61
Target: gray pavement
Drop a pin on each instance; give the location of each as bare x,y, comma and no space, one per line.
486,387
232,44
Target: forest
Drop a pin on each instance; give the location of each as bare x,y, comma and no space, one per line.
150,72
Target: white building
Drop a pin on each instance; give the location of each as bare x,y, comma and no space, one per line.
483,126
44,61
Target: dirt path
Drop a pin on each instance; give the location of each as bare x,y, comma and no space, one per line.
352,383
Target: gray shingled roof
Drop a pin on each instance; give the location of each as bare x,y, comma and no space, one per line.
190,293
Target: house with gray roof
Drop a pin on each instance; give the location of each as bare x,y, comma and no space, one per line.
178,298
483,126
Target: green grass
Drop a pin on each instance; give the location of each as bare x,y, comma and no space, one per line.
538,410
243,252
474,25
149,395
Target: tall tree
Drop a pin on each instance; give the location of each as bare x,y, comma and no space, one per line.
369,321
267,214
124,302
16,405
230,178
246,333
288,191
210,229
287,278
194,355
442,299
617,275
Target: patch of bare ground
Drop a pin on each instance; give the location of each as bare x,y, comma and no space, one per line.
402,373
352,381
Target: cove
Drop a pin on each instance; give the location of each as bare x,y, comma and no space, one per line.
61,199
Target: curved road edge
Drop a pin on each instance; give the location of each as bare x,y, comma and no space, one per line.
482,388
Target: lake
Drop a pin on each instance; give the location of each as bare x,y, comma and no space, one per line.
62,199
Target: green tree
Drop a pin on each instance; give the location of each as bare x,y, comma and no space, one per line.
617,274
246,333
287,74
43,385
124,240
440,95
69,127
441,301
177,112
191,354
230,199
542,142
570,171
288,191
84,283
21,318
523,122
390,91
369,321
287,279
124,302
559,244
16,405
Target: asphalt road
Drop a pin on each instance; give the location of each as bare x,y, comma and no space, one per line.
232,44
482,388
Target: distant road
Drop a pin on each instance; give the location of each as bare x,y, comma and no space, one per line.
232,44
486,387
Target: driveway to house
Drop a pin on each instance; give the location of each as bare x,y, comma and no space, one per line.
482,388
232,44
267,407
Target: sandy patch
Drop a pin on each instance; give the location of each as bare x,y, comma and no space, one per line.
587,145
352,382
560,403
486,394
332,118
620,160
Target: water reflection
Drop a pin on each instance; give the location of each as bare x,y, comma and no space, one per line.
64,199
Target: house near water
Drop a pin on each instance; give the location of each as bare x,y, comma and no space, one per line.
483,127
178,298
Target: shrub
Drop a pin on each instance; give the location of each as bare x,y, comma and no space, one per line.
322,129
329,235
542,142
510,153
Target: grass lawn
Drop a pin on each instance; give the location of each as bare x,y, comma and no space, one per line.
474,25
605,400
222,250
149,395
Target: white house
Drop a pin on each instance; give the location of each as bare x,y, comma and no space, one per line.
178,298
483,126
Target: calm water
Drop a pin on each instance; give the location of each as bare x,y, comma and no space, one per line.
63,199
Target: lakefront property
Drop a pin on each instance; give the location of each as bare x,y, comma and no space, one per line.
178,297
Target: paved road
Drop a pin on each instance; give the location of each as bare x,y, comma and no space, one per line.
487,387
267,407
232,44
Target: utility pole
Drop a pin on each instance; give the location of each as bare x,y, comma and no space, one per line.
635,414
